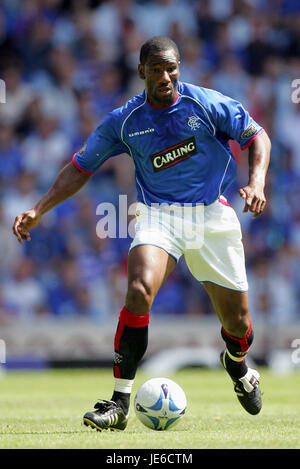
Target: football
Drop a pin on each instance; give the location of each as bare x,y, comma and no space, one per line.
160,403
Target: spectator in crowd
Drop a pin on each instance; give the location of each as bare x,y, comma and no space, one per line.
23,292
18,96
45,150
10,156
10,254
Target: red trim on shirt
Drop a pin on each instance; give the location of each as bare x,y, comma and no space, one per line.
78,167
164,107
252,139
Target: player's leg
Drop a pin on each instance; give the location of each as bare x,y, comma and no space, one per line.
233,312
148,267
237,332
220,264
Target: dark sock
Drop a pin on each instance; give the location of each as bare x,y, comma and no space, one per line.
237,370
131,342
236,351
123,399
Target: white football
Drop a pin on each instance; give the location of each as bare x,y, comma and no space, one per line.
160,403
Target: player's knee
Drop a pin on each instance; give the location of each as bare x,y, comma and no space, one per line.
139,297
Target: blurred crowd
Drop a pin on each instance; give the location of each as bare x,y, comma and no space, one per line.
65,64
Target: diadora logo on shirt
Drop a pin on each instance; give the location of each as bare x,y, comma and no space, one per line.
141,132
173,155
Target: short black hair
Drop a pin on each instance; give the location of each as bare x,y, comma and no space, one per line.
157,44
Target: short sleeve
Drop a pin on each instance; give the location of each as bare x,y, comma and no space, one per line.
231,117
101,145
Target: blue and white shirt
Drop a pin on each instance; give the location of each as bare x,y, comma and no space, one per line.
181,152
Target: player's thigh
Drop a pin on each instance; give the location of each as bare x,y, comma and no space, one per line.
232,308
221,258
148,268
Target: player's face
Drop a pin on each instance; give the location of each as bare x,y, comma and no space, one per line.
161,73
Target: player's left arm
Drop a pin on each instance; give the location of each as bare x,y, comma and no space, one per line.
259,157
230,117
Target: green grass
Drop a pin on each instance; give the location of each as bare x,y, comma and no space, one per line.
44,410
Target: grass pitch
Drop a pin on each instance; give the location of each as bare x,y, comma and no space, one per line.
44,410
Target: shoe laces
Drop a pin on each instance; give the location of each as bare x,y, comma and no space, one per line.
251,380
240,388
104,405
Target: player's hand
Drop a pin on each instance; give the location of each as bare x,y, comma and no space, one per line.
255,200
25,222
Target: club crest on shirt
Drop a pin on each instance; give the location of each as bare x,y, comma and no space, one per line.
194,122
250,131
174,154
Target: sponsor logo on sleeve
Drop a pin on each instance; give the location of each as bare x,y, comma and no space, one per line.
250,131
173,155
82,149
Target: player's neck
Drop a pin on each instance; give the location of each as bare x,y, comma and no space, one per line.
159,105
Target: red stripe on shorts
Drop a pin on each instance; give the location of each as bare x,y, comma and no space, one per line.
223,201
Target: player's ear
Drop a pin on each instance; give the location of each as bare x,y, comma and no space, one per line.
141,71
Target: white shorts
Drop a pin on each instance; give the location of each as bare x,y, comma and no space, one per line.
209,237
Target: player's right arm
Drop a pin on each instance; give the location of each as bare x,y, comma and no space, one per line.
102,144
68,182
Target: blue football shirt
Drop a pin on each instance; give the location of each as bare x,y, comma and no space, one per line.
181,152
